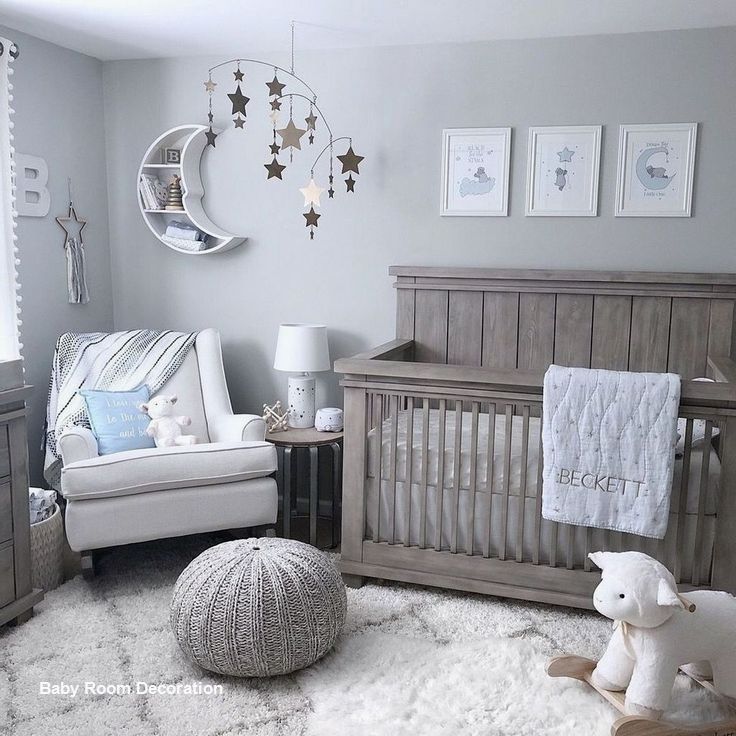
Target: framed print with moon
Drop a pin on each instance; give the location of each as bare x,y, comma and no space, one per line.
655,170
475,171
563,165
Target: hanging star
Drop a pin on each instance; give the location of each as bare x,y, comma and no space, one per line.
275,88
350,183
209,85
565,154
331,193
311,138
274,169
310,120
238,75
72,225
210,116
275,105
290,136
211,135
239,101
312,217
350,161
275,148
311,193
332,178
239,122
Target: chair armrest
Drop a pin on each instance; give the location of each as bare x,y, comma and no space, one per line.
77,443
237,428
722,368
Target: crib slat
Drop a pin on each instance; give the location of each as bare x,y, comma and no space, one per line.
457,455
470,521
588,548
570,552
682,505
409,469
538,505
506,481
378,407
702,497
490,470
553,535
522,483
440,487
394,451
425,475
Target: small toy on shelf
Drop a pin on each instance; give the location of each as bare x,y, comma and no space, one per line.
656,632
277,420
174,201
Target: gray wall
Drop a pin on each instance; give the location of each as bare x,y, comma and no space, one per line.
395,102
59,116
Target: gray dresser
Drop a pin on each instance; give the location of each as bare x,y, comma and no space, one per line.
17,595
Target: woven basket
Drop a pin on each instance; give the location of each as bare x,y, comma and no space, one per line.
47,551
258,607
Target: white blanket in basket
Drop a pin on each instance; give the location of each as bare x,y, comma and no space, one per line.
609,448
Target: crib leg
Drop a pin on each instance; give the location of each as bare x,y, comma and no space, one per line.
353,581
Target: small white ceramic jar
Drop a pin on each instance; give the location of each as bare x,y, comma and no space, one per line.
328,420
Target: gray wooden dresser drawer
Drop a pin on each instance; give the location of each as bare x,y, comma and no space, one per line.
6,513
7,576
4,452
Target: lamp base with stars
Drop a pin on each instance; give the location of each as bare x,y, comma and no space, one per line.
301,401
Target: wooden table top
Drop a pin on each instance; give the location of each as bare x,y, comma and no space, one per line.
303,437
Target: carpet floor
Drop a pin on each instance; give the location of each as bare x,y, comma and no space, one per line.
410,661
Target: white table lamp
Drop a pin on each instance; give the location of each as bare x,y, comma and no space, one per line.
302,349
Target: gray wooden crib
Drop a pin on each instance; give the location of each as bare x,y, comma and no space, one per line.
442,471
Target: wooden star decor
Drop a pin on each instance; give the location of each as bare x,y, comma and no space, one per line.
72,224
310,120
238,75
290,136
239,122
350,161
311,217
239,101
274,148
350,183
210,135
274,169
275,88
209,85
311,193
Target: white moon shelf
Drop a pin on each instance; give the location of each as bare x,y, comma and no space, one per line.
191,141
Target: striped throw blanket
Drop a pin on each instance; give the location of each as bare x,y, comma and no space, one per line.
117,361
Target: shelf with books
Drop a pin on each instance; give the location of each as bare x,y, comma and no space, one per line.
154,177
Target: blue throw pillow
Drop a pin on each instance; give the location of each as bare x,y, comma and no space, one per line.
116,420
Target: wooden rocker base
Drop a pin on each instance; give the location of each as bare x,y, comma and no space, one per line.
580,668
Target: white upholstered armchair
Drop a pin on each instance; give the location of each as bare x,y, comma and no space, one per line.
223,482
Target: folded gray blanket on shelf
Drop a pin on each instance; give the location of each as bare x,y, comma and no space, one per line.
184,230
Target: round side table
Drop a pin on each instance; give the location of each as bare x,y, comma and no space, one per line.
294,446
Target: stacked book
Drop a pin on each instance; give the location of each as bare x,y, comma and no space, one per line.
152,191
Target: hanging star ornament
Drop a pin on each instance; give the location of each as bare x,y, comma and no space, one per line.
238,75
350,161
275,105
239,101
239,122
311,217
310,120
211,135
275,88
311,193
274,169
350,182
209,85
311,138
72,225
275,148
331,192
290,136
210,116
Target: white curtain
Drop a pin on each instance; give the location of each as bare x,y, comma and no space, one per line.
9,298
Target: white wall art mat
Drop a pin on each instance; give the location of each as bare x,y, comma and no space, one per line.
655,170
563,164
475,171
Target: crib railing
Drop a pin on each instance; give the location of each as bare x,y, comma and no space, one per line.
443,484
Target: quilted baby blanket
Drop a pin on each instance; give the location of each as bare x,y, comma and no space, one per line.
609,448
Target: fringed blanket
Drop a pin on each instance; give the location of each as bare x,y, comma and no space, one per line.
117,361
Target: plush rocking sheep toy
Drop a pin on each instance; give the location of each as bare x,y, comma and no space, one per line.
164,427
657,630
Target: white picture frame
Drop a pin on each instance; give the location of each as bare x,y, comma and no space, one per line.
656,163
563,170
475,172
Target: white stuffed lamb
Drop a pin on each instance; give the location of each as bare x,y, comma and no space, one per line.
164,427
657,631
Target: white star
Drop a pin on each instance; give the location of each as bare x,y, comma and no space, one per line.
311,194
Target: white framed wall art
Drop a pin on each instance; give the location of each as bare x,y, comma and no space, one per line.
563,166
475,171
655,170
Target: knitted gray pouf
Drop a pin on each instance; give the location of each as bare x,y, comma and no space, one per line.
258,607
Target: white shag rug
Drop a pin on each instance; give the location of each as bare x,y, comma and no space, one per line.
410,661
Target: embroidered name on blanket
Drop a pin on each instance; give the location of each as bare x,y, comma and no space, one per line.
609,448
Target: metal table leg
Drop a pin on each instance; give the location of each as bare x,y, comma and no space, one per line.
287,493
336,491
313,494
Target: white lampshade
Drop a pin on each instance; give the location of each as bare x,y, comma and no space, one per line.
302,349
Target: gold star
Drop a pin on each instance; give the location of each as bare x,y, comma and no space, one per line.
311,218
311,193
275,87
290,136
209,85
274,169
350,161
